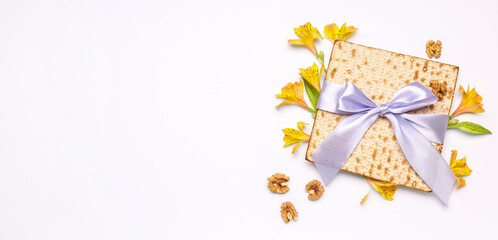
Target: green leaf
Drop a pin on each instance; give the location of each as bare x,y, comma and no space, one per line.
452,123
312,92
321,57
469,127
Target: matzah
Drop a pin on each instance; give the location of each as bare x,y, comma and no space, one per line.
380,74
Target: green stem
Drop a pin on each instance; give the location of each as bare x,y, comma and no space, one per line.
320,60
311,110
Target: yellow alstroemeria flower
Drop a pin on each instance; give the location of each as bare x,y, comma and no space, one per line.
292,93
312,76
293,136
471,102
386,189
459,168
307,34
333,32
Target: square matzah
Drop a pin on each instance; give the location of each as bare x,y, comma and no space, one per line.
380,74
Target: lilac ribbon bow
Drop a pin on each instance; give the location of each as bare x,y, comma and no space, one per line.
413,131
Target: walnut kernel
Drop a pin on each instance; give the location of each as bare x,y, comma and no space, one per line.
288,212
315,190
428,48
439,89
439,46
433,48
278,183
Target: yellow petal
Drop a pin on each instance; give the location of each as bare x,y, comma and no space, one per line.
470,103
386,189
288,140
294,149
300,126
459,168
460,182
296,42
293,136
311,75
347,31
462,171
333,32
364,198
307,35
453,157
292,93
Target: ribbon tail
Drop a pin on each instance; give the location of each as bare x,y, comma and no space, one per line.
338,146
432,126
423,157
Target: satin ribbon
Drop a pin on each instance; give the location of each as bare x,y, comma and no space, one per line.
413,131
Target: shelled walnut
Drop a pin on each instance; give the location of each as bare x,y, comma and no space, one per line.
288,212
439,46
439,89
278,183
315,190
433,48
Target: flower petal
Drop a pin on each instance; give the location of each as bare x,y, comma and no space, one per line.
296,134
296,42
292,93
386,189
333,32
311,75
460,182
364,198
288,140
307,35
293,136
294,149
459,168
470,103
300,126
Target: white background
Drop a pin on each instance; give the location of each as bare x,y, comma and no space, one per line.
157,120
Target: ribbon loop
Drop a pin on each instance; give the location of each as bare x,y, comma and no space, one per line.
411,96
413,131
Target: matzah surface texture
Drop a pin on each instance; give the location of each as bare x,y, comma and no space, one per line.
380,74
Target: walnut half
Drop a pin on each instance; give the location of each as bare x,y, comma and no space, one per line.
288,212
433,48
428,48
315,190
438,47
439,89
278,183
